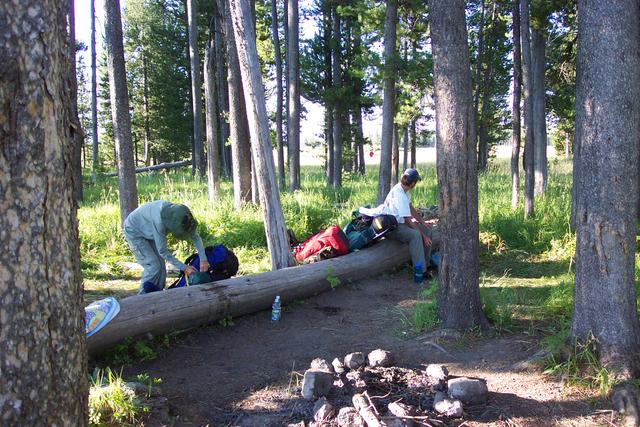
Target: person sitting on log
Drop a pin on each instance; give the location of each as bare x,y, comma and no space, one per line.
412,228
146,230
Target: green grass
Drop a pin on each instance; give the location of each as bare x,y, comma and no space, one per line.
111,401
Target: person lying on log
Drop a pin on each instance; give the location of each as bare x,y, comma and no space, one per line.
412,228
146,230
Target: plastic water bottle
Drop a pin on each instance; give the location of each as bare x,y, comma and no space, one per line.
276,310
418,273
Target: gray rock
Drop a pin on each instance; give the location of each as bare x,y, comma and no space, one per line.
323,410
469,390
349,417
321,365
316,384
400,411
354,360
437,373
380,357
446,406
338,366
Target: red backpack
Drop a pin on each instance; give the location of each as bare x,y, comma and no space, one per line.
332,238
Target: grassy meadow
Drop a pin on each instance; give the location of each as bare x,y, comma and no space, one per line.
526,276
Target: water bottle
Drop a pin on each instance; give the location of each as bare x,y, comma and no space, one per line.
276,310
418,272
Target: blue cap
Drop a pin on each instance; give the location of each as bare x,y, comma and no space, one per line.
412,175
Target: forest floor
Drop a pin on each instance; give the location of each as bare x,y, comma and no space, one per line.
247,371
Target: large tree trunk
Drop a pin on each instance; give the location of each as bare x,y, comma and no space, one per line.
196,87
275,227
79,131
279,93
517,85
211,110
239,127
293,71
528,109
388,102
538,66
405,148
94,96
42,345
337,105
607,134
120,109
457,169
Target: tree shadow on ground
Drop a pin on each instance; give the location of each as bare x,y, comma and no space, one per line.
523,265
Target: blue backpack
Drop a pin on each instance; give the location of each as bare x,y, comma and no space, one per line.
223,264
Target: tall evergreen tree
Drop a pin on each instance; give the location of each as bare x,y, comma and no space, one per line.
42,344
525,41
249,65
607,135
196,88
457,169
128,192
388,106
293,84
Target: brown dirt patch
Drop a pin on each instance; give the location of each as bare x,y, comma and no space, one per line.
249,374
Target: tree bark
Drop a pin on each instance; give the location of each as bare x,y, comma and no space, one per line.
528,109
405,148
517,87
196,88
395,157
414,142
538,66
360,139
478,74
94,96
211,110
275,227
337,105
457,168
607,134
222,89
388,102
279,93
328,83
145,94
239,126
120,109
293,71
42,345
485,92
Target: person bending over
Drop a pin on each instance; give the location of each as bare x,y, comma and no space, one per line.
146,230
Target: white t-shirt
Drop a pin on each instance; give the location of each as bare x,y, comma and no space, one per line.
396,204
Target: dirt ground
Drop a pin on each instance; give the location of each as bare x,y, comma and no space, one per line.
249,374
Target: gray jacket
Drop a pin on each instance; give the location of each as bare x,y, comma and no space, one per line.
146,222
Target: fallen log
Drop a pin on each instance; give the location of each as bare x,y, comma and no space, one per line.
159,166
183,308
